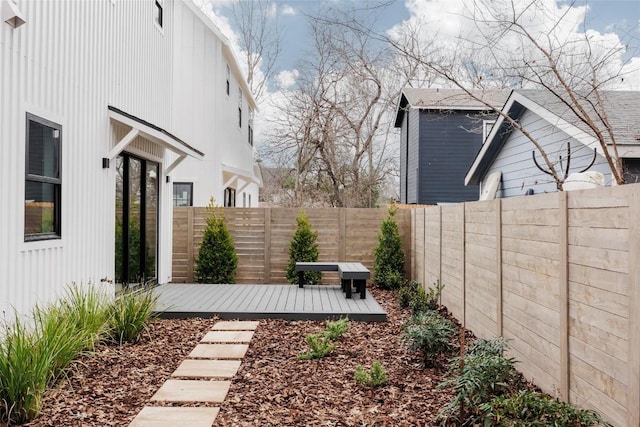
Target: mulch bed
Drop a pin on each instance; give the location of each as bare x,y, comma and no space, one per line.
272,388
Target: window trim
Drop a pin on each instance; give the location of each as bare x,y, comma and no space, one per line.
190,184
57,182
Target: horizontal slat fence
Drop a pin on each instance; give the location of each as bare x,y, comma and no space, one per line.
262,236
557,275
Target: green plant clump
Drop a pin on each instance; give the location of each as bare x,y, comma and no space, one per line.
429,333
389,256
130,315
34,354
407,292
338,328
528,408
483,373
217,259
375,377
303,247
320,344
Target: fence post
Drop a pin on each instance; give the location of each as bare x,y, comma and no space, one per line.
190,248
497,204
412,272
342,243
563,283
463,250
633,383
267,245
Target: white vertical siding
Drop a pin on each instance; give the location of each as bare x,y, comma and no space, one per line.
210,119
519,173
67,64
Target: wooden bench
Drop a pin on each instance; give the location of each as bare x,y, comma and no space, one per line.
351,273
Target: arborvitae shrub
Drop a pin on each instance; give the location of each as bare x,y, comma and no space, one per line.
217,260
389,256
303,248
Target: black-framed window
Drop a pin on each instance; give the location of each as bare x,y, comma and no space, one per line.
229,197
158,11
631,169
228,81
240,107
250,128
182,194
43,182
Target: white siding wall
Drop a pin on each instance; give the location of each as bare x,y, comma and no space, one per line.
67,64
519,173
201,66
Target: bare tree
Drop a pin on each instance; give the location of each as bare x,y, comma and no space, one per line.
503,49
337,121
259,38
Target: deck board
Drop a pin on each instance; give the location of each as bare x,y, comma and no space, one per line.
313,302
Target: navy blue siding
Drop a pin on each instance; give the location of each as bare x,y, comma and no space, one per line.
449,142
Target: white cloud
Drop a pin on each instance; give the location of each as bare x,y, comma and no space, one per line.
288,10
286,79
272,11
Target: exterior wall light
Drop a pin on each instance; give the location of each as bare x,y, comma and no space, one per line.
11,14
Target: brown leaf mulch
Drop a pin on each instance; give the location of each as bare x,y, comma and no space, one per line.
272,388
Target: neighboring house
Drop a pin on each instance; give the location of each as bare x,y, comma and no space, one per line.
278,186
441,131
100,102
507,153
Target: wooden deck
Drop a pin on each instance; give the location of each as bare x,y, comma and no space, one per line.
317,302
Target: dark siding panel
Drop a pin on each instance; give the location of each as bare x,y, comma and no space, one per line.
413,157
449,144
403,160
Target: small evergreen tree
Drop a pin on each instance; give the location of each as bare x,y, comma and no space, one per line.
217,259
389,256
303,248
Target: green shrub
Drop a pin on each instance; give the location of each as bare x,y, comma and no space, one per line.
26,369
130,314
89,309
303,247
217,259
429,333
320,344
338,328
375,377
407,292
389,256
529,408
481,375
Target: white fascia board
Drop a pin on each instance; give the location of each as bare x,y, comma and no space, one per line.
226,49
566,127
154,136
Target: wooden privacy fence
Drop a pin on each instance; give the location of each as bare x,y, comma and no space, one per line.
555,274
262,237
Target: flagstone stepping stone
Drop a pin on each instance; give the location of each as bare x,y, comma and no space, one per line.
228,336
192,391
238,325
192,368
175,416
219,351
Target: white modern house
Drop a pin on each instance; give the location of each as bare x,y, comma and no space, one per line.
105,107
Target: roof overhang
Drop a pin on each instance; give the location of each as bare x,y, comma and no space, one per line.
516,105
153,133
231,176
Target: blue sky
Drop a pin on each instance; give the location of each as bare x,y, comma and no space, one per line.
619,16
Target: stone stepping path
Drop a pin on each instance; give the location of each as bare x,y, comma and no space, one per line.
217,356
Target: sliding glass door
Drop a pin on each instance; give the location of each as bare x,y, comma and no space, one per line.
136,220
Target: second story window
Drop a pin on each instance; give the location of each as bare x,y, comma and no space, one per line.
250,131
158,12
240,107
228,81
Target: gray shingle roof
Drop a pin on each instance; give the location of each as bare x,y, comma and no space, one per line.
449,99
622,109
